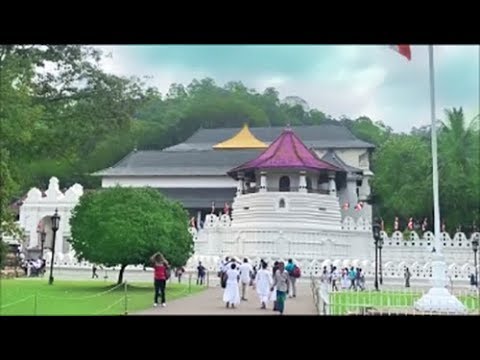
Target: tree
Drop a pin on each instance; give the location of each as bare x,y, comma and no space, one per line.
3,253
125,226
459,166
403,181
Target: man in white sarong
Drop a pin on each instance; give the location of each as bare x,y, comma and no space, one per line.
245,276
263,283
231,294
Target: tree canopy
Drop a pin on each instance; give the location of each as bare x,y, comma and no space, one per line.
63,116
126,226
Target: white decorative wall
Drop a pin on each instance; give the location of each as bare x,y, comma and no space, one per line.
39,207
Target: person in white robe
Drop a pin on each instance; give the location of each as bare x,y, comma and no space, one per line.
246,271
231,294
345,280
263,283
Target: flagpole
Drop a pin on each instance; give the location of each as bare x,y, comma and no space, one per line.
438,298
436,201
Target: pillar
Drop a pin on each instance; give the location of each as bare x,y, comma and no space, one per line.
352,190
332,187
239,187
199,219
302,184
263,181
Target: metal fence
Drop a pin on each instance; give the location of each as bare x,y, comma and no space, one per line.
388,301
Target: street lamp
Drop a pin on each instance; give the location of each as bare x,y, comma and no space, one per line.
475,250
377,238
380,246
55,224
43,235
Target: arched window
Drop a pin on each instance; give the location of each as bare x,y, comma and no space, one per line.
309,183
284,183
281,203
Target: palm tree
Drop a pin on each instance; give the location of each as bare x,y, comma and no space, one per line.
459,168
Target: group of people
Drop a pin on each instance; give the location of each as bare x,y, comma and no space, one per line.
33,267
270,285
347,279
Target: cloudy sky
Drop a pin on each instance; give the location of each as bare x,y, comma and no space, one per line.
337,79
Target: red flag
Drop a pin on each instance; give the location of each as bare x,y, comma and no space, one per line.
403,50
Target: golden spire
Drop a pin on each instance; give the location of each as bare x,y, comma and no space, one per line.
244,139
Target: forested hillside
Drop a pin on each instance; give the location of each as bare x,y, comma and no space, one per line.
62,115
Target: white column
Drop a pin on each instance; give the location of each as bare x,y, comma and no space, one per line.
365,188
239,187
331,184
263,181
352,190
199,219
302,183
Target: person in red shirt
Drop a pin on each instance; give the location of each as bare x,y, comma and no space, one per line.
160,266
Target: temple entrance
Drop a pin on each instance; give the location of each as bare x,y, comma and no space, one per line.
44,234
284,183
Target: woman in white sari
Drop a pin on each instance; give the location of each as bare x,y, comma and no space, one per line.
263,283
231,294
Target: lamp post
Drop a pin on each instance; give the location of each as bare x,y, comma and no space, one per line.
376,237
475,250
55,224
43,235
380,246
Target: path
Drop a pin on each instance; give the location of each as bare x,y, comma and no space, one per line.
209,302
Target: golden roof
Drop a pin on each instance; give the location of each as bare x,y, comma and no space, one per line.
244,139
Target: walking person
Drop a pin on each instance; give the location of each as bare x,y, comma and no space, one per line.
263,284
179,273
352,275
407,277
273,292
334,277
94,272
160,273
200,273
231,295
282,283
246,271
290,268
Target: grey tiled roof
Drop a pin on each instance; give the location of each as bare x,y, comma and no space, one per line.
196,156
201,198
155,162
333,159
315,136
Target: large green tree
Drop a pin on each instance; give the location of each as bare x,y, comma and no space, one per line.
125,226
459,168
403,182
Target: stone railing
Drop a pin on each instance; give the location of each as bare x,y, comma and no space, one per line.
349,223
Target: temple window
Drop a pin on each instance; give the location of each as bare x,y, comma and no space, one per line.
309,183
281,203
284,183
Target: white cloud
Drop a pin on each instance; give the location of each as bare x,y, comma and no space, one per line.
343,80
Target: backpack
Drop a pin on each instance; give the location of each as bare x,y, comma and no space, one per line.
296,273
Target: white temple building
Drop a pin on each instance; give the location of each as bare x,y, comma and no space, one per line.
287,199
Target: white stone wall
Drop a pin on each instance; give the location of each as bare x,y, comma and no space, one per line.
302,211
37,209
352,246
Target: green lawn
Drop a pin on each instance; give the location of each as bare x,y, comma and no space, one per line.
36,297
343,302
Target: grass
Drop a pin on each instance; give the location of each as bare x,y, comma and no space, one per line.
342,303
36,297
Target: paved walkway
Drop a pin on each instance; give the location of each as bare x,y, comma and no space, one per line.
209,302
